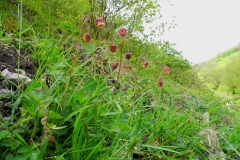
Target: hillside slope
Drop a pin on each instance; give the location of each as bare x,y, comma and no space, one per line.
90,97
221,75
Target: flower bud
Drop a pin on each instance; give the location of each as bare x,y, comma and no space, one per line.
115,65
128,55
113,48
44,121
122,32
51,139
127,67
144,64
88,20
100,22
166,70
87,37
160,82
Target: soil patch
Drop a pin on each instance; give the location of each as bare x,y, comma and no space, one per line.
9,60
9,65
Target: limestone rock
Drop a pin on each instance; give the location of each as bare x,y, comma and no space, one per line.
211,141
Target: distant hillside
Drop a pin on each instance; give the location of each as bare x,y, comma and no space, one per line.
222,58
222,72
227,56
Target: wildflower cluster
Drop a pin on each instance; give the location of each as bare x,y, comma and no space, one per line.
122,33
100,24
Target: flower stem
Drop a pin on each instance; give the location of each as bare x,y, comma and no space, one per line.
120,65
70,76
80,31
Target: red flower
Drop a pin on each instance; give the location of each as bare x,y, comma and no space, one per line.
51,139
115,65
88,20
127,67
160,82
144,64
128,55
87,37
100,22
122,32
113,48
166,70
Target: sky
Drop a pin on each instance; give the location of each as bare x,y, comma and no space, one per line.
204,27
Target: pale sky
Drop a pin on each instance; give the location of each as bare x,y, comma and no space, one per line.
204,27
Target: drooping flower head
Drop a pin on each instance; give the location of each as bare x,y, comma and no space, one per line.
87,37
122,31
160,82
88,20
166,69
113,48
115,65
144,64
51,139
127,67
128,55
100,22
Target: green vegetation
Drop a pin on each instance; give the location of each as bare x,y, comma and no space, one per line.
85,101
222,72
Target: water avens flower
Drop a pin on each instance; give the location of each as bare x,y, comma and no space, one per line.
51,139
160,82
122,31
100,22
88,20
115,65
166,69
127,67
144,64
113,48
87,37
128,55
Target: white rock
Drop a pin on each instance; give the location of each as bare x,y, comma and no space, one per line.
14,76
4,72
21,71
212,142
4,91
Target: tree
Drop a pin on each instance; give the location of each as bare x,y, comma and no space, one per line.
131,14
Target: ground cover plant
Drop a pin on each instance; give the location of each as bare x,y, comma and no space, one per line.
98,93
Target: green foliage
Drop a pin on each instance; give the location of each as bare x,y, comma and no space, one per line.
224,73
131,14
54,16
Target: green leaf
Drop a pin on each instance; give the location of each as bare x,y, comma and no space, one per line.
34,155
21,138
81,96
9,157
95,149
43,149
54,115
23,149
132,145
4,134
165,148
60,158
90,48
111,114
119,107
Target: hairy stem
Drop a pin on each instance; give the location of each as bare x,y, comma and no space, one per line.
120,65
70,76
80,31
